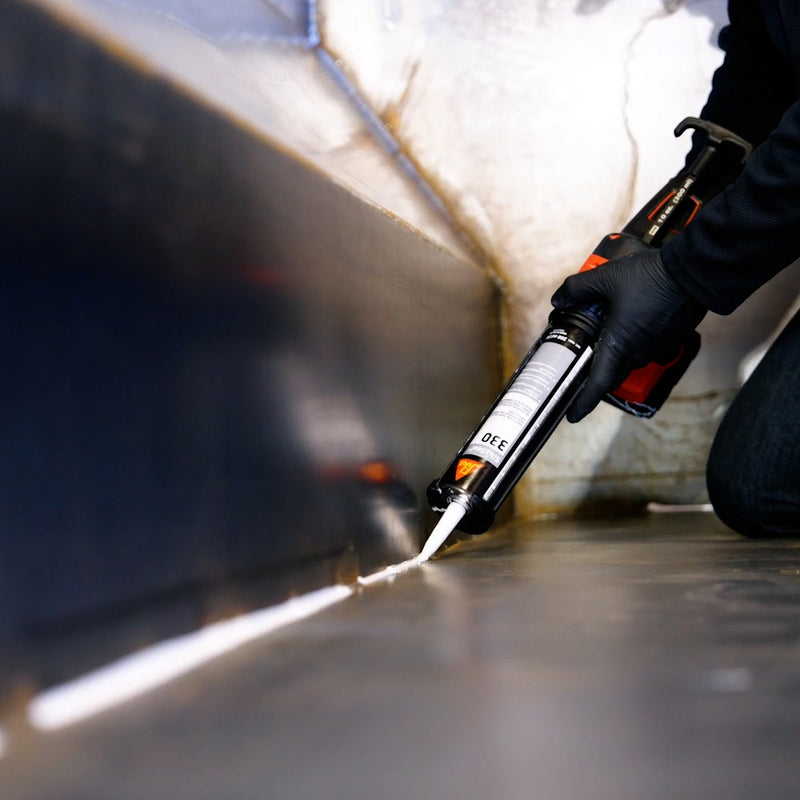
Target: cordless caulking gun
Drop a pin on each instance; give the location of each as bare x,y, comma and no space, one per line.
536,398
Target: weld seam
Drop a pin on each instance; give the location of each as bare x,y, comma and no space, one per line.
387,139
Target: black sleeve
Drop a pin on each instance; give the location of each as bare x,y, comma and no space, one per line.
751,230
754,85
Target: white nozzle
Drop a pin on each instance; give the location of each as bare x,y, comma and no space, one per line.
453,514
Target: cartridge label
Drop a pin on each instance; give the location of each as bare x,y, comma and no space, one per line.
518,407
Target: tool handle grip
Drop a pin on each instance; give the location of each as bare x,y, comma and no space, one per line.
665,215
716,135
645,389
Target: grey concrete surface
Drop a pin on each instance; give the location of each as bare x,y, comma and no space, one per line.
644,658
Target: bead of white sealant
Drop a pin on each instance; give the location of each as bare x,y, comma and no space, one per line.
134,675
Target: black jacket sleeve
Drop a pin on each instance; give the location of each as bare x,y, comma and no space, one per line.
755,84
751,230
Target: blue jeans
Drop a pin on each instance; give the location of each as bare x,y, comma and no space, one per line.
753,472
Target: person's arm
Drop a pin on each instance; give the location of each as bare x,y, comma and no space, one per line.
736,243
753,86
749,232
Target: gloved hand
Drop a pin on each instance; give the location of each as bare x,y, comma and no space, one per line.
646,314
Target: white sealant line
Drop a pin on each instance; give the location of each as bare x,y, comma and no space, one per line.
390,572
140,672
678,508
2,743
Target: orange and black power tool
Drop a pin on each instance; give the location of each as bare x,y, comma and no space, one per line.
533,402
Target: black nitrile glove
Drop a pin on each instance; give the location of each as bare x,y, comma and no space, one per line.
646,314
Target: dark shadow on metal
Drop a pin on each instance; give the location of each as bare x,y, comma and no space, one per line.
225,379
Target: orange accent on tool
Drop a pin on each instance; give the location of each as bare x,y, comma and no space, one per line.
466,466
593,261
652,215
640,382
696,208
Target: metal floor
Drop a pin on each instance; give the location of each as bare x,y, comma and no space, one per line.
643,658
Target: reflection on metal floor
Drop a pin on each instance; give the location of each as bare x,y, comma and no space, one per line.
642,658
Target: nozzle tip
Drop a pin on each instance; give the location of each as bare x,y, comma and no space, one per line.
453,514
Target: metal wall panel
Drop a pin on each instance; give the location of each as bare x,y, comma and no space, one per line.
225,378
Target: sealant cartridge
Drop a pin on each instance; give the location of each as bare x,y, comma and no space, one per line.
520,421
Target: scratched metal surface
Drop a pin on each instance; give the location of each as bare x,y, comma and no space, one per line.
612,659
225,378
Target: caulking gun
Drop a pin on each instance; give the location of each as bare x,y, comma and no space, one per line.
519,422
